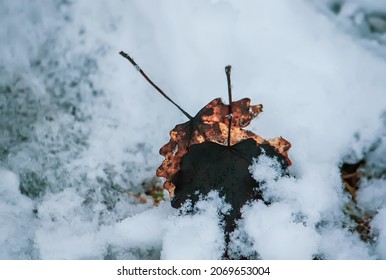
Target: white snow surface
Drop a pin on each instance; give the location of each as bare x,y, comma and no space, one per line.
79,127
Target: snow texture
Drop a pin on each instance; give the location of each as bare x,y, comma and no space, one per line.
80,128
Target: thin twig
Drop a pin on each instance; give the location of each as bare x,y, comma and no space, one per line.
351,175
125,55
228,73
140,198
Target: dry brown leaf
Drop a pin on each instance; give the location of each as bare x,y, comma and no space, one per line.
211,124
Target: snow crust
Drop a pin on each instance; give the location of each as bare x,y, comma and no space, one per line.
79,127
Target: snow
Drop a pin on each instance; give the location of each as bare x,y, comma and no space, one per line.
265,169
16,217
65,229
79,127
379,225
197,236
277,234
336,243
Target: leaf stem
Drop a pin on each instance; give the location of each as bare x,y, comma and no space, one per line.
125,55
228,74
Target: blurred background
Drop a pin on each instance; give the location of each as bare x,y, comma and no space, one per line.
80,129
